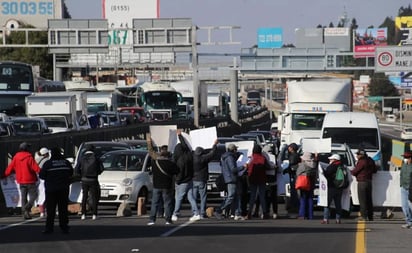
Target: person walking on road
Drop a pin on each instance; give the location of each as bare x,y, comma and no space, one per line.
27,170
307,167
163,170
334,193
201,158
363,171
89,167
57,173
405,178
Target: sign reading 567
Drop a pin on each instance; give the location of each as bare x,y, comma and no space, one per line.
26,8
118,37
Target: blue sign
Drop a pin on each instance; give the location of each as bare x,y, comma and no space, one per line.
270,37
26,7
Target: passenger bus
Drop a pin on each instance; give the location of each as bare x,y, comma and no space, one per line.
17,81
357,130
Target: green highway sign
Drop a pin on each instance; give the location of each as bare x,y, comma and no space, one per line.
375,98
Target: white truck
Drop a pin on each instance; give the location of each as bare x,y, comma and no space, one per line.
101,101
306,104
58,109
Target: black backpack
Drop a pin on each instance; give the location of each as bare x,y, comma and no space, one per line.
90,166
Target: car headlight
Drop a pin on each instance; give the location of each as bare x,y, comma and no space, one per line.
127,181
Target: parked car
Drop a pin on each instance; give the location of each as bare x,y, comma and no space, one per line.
100,148
406,133
126,177
7,129
26,126
111,118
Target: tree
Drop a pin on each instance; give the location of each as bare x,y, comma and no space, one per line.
381,86
30,55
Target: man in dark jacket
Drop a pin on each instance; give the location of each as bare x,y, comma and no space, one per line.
230,172
90,167
163,170
363,171
201,158
26,169
57,173
183,157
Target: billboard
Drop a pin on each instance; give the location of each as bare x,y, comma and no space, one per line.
14,13
270,37
337,37
403,33
366,41
120,15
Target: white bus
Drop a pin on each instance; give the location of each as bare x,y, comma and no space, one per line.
357,130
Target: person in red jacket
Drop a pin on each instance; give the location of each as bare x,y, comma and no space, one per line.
26,169
256,170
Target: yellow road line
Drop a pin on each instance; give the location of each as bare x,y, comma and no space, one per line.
360,246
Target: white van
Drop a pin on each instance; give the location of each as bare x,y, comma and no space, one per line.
357,130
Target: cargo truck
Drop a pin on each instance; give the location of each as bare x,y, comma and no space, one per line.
58,109
306,104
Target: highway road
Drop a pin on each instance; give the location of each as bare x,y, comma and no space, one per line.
131,234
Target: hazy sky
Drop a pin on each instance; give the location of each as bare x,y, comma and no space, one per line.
253,14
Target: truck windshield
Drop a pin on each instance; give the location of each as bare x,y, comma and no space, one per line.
367,138
161,100
306,121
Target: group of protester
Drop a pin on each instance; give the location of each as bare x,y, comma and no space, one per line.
185,173
307,165
51,173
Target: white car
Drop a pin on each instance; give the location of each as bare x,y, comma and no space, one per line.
406,133
126,177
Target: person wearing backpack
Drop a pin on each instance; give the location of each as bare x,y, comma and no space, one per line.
334,193
89,167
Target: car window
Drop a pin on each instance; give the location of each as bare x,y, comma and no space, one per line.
123,162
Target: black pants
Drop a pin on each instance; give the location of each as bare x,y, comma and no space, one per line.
59,198
91,188
365,199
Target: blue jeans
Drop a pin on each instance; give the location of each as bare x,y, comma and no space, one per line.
181,190
406,209
306,204
254,190
231,194
200,188
157,196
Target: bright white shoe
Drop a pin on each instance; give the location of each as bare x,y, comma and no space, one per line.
94,217
195,218
83,217
150,223
238,217
174,218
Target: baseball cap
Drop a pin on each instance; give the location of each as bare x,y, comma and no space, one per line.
334,157
231,147
44,151
361,152
407,154
24,146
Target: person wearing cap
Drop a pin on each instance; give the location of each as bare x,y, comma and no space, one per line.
230,172
334,194
57,173
364,169
41,157
405,178
308,167
26,169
